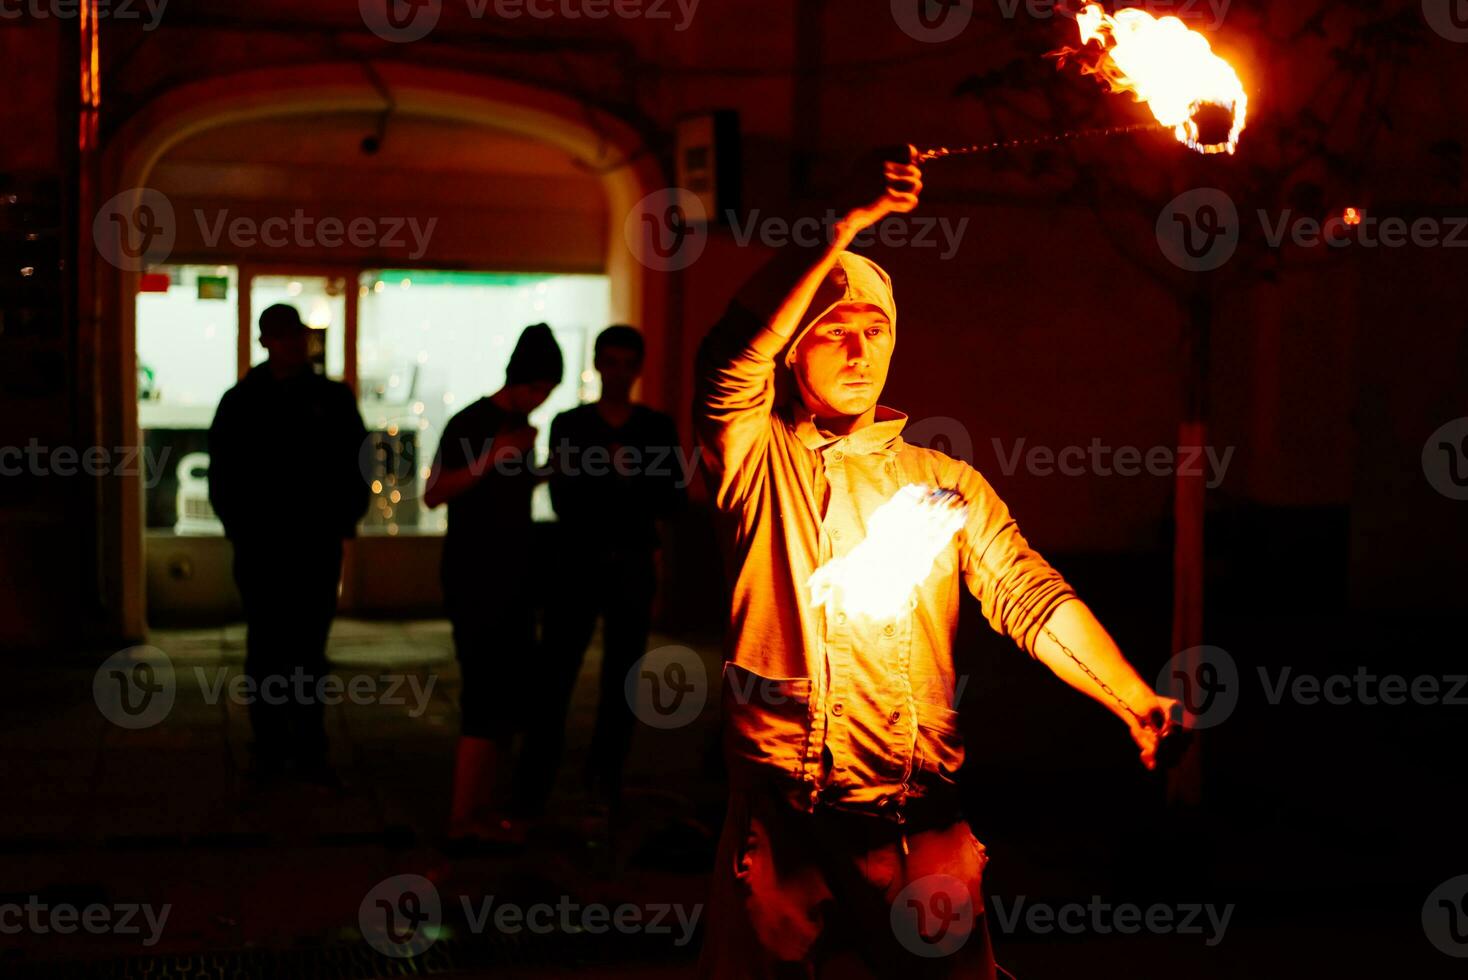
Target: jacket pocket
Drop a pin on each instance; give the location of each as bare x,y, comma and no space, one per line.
767,719
939,743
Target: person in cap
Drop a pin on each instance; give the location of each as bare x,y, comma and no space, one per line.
844,836
485,472
285,482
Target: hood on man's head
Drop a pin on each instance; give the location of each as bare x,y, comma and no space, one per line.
853,279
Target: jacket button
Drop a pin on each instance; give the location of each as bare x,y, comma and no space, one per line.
837,708
894,716
838,456
841,618
889,629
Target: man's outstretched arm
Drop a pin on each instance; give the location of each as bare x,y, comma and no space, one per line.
1072,636
1025,598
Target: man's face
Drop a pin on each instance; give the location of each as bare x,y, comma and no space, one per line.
527,397
288,349
619,368
841,363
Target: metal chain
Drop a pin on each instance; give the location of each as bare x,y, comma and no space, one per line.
1092,674
938,152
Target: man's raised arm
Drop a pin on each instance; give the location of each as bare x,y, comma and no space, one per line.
735,368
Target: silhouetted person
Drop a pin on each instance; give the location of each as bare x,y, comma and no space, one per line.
615,469
484,471
285,480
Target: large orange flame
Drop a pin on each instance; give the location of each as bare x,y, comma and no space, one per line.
1166,65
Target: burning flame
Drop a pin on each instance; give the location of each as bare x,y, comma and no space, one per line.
1166,65
879,578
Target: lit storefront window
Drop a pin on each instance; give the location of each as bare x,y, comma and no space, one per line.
187,357
431,343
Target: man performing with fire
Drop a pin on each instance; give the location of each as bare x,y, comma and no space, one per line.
844,849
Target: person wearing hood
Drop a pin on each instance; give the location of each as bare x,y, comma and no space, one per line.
484,470
844,836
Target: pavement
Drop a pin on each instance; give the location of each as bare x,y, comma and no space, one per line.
1310,841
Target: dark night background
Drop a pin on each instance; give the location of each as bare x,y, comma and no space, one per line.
1336,539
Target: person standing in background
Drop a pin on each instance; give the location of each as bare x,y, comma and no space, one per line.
285,482
484,471
614,473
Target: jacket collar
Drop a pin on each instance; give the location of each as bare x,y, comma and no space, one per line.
882,435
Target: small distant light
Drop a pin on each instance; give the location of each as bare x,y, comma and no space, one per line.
395,496
379,286
32,236
387,512
392,529
588,376
425,471
28,271
392,430
1353,216
377,486
407,283
362,290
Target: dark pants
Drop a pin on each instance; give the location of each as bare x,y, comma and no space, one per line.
618,590
289,588
493,617
834,894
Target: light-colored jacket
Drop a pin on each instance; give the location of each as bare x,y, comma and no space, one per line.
853,714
